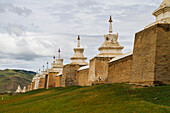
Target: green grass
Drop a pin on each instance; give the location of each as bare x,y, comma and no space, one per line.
106,98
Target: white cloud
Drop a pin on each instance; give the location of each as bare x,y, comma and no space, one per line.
7,7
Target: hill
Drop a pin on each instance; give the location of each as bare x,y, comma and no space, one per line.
105,98
10,79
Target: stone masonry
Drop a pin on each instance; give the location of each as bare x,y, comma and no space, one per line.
69,75
51,79
57,81
41,83
120,70
98,69
82,77
151,56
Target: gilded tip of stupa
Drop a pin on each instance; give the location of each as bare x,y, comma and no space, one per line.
110,20
78,37
59,50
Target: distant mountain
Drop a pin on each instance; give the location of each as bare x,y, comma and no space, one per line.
11,78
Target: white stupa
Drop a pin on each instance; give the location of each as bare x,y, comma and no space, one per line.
47,70
37,79
162,14
111,47
57,65
43,73
19,90
24,89
78,57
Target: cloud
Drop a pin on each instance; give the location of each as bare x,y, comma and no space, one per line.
14,29
7,7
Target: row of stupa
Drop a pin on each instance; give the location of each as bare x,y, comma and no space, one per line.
20,90
103,67
110,48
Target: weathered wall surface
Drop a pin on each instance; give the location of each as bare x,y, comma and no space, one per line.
69,75
92,70
98,69
57,81
151,51
120,70
51,79
162,61
29,86
41,83
32,85
82,77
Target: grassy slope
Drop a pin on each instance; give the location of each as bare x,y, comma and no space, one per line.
97,99
10,79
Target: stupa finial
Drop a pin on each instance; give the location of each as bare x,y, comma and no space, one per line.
43,67
110,26
78,44
59,53
47,65
54,59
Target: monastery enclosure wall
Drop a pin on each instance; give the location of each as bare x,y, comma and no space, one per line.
51,79
148,65
150,56
69,75
98,69
162,61
120,70
41,83
32,86
58,81
82,77
29,86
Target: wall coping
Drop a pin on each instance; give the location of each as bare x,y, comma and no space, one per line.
83,68
121,56
59,74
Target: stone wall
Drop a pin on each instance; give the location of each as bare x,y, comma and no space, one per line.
58,81
41,83
69,75
98,69
51,79
162,61
151,56
120,70
82,77
29,86
32,85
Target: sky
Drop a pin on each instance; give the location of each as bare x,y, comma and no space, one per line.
32,31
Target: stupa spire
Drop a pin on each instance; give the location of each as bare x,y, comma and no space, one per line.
110,26
59,53
78,57
43,67
110,47
47,65
58,66
54,59
78,43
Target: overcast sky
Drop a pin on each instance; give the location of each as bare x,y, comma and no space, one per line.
31,31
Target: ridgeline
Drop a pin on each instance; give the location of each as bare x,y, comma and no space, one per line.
105,98
10,79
